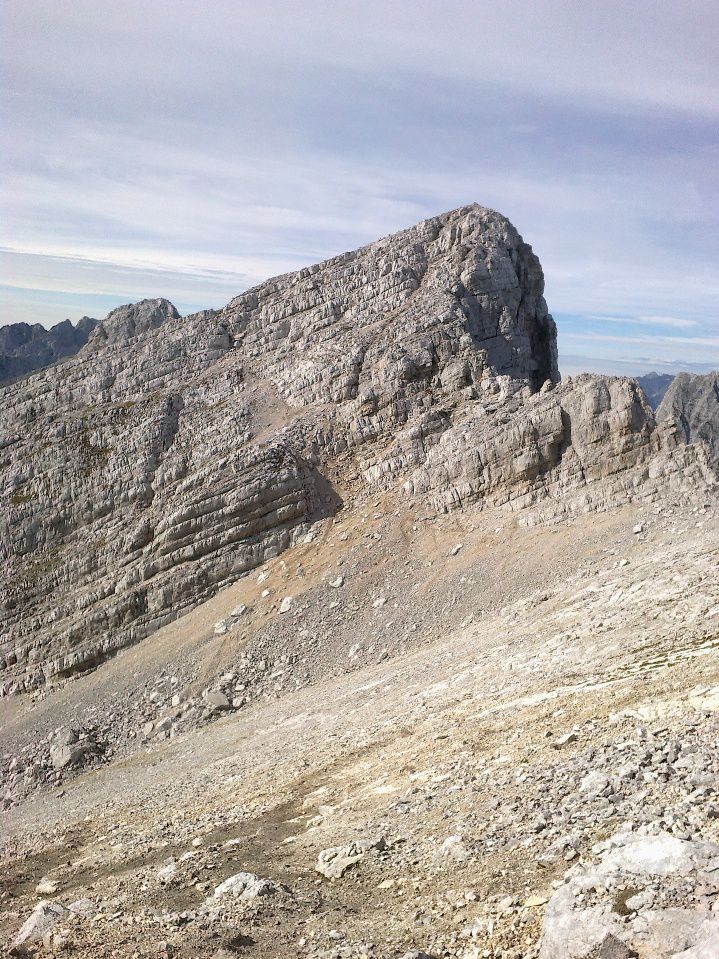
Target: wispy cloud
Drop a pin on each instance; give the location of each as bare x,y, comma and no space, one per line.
675,322
153,149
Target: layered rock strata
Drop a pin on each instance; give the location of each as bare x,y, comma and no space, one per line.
692,405
174,454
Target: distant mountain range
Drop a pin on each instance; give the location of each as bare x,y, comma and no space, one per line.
25,348
655,386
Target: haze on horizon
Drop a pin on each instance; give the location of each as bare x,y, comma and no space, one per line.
163,149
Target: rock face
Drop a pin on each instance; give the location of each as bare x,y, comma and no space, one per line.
174,454
692,403
130,321
655,386
25,348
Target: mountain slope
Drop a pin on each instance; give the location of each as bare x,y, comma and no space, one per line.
174,454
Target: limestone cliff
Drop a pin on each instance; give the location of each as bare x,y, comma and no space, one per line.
174,454
692,404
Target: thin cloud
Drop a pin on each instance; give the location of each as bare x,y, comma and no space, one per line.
130,171
655,321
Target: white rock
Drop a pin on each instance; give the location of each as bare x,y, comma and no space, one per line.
46,887
40,921
335,861
245,885
453,847
572,929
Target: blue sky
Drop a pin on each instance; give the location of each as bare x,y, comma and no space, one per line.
190,151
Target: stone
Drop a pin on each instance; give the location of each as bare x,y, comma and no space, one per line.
68,755
707,948
286,604
338,582
217,700
533,901
46,887
453,847
245,885
334,862
167,872
630,861
83,907
40,921
594,784
565,740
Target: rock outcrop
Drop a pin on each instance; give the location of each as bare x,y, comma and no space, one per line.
692,404
174,454
25,348
132,320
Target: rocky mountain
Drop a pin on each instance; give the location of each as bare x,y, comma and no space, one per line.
25,348
141,479
655,386
692,402
428,662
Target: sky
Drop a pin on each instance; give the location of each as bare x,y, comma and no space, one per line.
193,150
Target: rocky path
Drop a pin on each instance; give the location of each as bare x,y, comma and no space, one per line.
551,763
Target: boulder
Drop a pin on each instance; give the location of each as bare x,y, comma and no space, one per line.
40,921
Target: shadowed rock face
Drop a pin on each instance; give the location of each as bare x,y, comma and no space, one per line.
692,403
655,386
174,454
25,348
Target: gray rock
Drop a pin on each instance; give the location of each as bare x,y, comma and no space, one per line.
40,921
334,862
454,848
692,404
218,700
245,885
68,755
83,907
